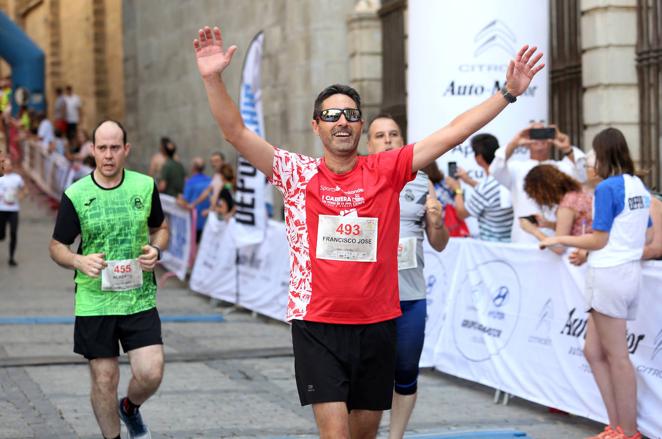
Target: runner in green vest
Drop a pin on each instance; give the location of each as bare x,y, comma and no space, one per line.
118,215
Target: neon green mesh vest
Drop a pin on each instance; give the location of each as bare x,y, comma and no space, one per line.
113,222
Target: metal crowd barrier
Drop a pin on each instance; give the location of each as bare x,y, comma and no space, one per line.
51,172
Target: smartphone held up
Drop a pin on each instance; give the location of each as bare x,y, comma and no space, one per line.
546,133
452,169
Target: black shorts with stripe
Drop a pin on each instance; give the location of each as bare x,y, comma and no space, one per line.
101,336
354,364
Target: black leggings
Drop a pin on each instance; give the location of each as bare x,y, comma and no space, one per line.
12,219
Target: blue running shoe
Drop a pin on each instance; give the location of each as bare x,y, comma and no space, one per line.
134,423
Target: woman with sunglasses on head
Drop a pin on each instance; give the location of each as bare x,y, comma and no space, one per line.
621,227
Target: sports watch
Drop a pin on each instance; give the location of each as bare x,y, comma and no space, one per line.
158,251
506,94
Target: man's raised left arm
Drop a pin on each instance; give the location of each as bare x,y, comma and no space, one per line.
521,71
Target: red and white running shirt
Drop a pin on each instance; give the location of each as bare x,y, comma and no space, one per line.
341,291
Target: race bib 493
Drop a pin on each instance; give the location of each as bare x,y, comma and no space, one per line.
345,238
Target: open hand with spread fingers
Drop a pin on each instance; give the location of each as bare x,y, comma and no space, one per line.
210,55
522,69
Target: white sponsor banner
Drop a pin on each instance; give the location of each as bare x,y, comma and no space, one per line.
214,272
515,320
458,55
255,276
176,257
647,358
251,215
438,271
264,273
505,315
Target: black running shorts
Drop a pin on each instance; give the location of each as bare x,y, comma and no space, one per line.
100,336
354,364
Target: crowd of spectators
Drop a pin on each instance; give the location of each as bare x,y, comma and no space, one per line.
199,192
545,190
62,135
532,188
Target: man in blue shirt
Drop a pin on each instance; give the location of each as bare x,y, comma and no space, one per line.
194,186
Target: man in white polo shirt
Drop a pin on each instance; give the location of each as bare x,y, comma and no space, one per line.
510,171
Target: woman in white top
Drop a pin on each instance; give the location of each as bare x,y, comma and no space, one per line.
620,223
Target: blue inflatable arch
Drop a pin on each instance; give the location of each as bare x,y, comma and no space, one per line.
26,60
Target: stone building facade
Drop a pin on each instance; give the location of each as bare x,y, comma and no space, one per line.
82,41
308,45
605,71
133,60
312,44
609,73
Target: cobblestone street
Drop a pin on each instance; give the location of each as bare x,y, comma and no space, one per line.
230,378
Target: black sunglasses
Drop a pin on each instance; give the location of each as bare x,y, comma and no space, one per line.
333,114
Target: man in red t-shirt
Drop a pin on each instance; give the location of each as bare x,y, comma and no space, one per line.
342,219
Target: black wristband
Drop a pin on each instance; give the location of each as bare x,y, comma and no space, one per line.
158,251
507,96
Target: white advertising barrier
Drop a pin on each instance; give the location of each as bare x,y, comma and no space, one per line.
176,257
51,172
645,338
255,276
505,315
214,272
264,273
515,320
438,271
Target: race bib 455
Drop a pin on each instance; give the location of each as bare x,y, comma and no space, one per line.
122,275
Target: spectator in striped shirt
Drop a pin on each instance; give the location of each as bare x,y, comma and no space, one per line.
487,203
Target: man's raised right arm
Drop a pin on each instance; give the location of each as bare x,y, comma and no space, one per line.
212,59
